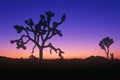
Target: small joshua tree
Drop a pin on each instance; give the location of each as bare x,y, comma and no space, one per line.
40,33
111,56
105,44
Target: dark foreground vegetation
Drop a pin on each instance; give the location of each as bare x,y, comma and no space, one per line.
89,68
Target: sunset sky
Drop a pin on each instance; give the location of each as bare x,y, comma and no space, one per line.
87,23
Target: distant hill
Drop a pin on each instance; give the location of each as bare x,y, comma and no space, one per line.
95,58
5,59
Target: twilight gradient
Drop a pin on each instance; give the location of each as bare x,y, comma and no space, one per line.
87,22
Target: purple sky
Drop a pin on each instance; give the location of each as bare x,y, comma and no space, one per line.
87,22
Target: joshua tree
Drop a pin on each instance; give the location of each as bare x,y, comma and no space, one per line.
105,44
39,33
32,57
111,56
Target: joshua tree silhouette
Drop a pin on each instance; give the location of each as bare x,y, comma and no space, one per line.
111,56
105,44
32,57
40,33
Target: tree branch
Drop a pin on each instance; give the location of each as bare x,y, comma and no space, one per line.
26,41
23,36
42,38
55,49
33,48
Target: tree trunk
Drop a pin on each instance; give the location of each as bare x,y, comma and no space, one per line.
107,55
41,54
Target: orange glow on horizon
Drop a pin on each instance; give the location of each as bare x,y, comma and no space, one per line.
70,52
55,55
